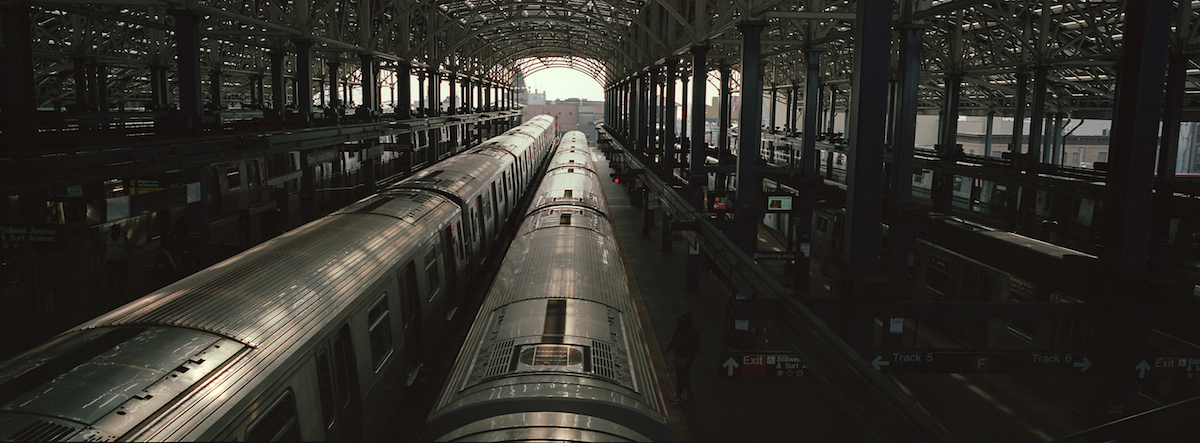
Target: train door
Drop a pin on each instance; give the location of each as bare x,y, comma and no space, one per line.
411,305
504,194
253,178
337,381
480,231
449,251
495,207
215,192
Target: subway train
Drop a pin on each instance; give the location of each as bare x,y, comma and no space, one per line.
313,335
556,352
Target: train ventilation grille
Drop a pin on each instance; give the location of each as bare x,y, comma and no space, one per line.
42,431
602,360
499,359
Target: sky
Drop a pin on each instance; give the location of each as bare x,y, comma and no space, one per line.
564,83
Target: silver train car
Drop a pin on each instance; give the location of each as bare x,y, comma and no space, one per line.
556,352
313,335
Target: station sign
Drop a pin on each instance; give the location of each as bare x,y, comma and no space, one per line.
761,365
28,237
1167,368
773,255
975,362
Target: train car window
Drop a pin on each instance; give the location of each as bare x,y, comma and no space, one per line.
937,274
325,387
380,327
233,177
431,272
278,424
487,204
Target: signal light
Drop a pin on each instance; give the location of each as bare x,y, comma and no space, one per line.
616,180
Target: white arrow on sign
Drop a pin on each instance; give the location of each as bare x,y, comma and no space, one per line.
1142,368
879,362
730,365
1085,364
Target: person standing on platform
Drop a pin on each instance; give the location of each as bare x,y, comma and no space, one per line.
686,344
116,259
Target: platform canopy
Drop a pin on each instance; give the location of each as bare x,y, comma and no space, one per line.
989,43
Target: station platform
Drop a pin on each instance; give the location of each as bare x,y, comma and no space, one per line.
977,408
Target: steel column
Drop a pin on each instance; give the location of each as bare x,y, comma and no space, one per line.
653,141
1129,196
906,101
369,70
668,113
1037,118
404,88
214,90
19,102
683,114
723,122
278,87
943,183
872,56
812,111
304,77
749,211
187,49
697,178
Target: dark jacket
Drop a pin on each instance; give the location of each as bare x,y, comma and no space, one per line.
685,342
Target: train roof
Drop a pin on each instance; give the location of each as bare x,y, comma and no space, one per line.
263,295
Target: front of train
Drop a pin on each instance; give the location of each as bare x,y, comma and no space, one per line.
557,352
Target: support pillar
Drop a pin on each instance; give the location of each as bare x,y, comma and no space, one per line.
672,157
278,87
1127,295
723,120
653,141
683,114
335,97
80,71
902,228
214,90
1168,150
369,67
943,183
991,125
422,110
304,77
872,56
19,101
697,178
833,91
1037,119
749,186
187,49
453,107
812,111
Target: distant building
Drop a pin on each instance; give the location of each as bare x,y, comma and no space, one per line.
573,114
